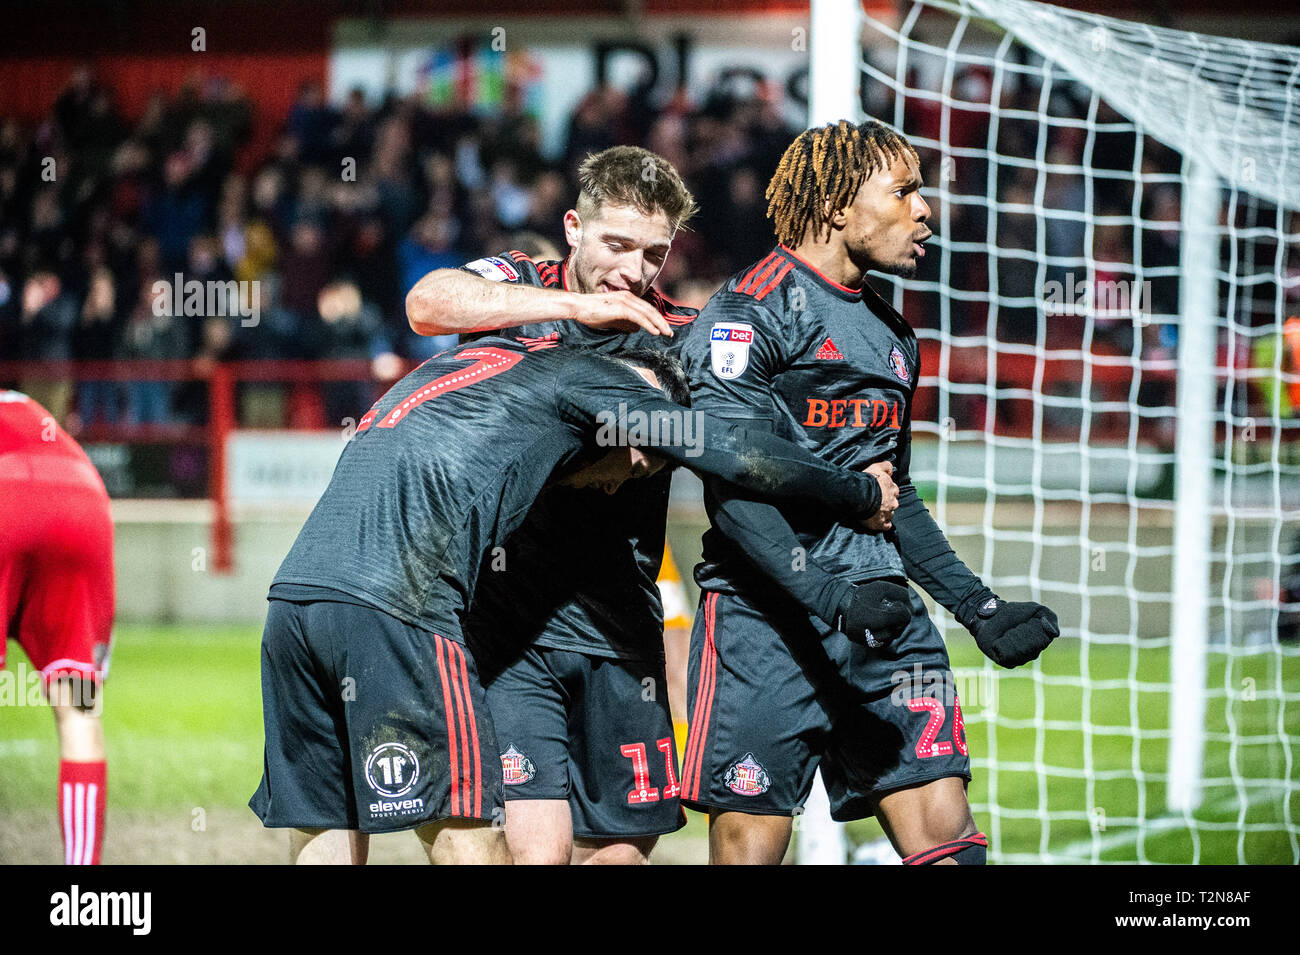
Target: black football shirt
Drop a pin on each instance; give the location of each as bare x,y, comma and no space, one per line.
446,465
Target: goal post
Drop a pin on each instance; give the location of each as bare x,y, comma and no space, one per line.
1104,421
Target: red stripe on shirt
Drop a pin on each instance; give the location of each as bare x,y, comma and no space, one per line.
740,286
488,362
776,280
751,286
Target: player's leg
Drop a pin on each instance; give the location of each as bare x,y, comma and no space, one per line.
56,591
328,847
623,774
306,781
898,748
76,717
464,842
539,831
737,838
83,769
931,824
526,699
756,724
626,851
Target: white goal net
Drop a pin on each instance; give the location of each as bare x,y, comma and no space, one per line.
1109,420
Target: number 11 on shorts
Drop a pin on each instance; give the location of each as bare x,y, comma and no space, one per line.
642,791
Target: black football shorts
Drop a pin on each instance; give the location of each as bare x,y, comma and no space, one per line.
371,723
594,731
774,692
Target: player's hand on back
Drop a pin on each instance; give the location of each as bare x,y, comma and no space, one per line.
1012,634
874,613
621,311
883,519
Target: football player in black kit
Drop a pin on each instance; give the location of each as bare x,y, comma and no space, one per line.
374,714
799,345
567,624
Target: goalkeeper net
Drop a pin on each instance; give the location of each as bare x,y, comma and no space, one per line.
1109,415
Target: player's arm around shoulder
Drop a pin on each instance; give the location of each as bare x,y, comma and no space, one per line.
505,291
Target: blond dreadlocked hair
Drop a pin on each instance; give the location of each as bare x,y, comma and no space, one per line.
822,171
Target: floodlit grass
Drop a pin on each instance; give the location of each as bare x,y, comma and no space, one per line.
183,722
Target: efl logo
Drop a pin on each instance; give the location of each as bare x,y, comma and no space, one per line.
852,413
729,344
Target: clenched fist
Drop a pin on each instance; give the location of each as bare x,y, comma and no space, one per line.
883,519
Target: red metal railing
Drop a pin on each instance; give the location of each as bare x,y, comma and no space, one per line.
221,379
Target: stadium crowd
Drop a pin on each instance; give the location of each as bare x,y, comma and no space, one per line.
356,201
352,206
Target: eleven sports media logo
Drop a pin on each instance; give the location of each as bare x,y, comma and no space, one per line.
392,770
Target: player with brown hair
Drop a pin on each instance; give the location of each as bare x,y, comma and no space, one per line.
569,622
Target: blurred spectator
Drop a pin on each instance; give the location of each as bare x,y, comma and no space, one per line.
152,333
177,212
346,327
311,123
430,245
46,322
95,339
306,267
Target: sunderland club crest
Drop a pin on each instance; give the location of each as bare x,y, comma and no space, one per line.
747,777
898,364
516,768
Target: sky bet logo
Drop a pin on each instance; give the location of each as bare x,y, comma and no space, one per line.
732,334
852,413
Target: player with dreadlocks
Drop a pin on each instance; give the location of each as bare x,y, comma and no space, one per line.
783,673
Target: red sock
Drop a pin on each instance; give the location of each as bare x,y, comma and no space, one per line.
83,790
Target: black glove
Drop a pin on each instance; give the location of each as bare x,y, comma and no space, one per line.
874,613
1011,634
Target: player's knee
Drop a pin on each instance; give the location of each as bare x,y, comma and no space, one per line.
534,847
81,733
740,839
968,849
623,852
534,854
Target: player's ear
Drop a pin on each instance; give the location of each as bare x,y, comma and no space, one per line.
835,218
572,228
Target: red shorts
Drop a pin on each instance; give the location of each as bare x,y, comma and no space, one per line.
56,564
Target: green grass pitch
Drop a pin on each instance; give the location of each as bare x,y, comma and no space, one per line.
183,725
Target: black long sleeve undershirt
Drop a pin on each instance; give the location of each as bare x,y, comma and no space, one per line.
930,561
928,558
762,534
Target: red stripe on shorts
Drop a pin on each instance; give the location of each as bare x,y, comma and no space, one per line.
703,699
451,729
473,727
460,719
